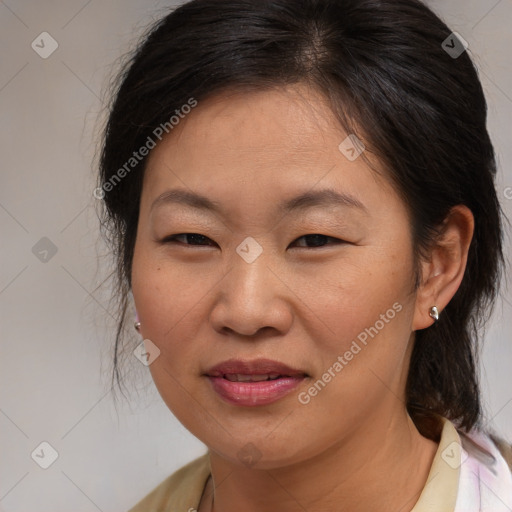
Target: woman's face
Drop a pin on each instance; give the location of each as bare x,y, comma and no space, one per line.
321,284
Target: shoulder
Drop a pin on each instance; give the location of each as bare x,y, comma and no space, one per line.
485,472
487,446
180,491
504,447
482,443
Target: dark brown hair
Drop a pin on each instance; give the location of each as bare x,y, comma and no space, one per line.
382,65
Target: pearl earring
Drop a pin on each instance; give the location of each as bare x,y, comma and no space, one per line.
137,323
434,313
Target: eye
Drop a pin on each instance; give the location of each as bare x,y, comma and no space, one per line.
318,240
194,238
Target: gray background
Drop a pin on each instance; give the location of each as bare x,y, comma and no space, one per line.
55,323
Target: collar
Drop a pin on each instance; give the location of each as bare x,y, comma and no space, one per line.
440,491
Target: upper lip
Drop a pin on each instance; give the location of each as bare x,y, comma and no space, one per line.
254,367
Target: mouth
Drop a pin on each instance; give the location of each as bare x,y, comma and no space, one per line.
239,377
253,383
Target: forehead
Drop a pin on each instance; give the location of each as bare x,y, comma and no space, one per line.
287,121
259,147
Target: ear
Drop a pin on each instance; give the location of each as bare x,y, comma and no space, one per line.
442,273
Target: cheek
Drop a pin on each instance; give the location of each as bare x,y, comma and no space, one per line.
353,294
169,301
366,311
162,292
165,298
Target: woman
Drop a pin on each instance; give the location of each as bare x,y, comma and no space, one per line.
300,195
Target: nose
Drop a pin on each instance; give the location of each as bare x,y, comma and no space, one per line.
252,298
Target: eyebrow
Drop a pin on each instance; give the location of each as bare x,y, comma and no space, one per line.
324,197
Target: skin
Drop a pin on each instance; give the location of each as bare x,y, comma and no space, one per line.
353,446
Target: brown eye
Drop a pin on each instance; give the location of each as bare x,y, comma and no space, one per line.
318,240
187,239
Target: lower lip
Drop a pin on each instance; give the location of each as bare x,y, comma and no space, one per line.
254,393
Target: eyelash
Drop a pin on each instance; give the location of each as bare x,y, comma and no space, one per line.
172,239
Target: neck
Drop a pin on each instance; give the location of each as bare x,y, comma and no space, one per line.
378,469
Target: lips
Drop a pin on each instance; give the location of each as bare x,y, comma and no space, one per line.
254,369
252,383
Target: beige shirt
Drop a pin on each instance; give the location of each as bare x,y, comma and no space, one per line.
182,491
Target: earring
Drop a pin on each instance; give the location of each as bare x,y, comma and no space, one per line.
434,313
137,323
